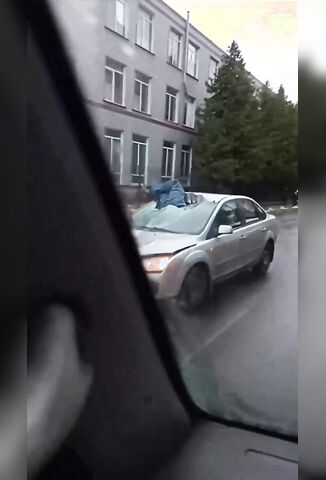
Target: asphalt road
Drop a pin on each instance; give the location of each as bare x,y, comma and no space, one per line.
239,353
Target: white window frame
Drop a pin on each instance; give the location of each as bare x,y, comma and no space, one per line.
217,64
114,72
196,49
174,39
111,138
190,101
188,152
176,96
123,2
146,160
143,17
165,154
142,83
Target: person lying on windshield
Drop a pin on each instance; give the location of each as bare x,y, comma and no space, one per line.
167,193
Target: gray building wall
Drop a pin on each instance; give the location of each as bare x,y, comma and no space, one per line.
87,26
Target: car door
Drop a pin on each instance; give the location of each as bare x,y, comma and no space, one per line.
253,232
224,250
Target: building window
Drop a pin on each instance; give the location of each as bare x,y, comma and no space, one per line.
139,159
171,105
186,163
113,151
142,93
120,17
189,112
192,64
168,160
145,29
174,54
114,82
213,69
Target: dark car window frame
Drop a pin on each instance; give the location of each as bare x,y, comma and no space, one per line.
211,234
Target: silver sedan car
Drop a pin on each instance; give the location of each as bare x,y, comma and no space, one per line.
185,250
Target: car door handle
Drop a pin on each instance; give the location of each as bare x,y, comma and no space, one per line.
243,237
264,229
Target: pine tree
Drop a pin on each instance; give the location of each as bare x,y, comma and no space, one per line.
227,124
277,139
246,137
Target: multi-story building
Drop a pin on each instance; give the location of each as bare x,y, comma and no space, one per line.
144,70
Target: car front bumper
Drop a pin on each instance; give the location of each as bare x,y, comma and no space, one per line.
166,284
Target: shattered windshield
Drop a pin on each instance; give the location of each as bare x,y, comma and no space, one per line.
190,220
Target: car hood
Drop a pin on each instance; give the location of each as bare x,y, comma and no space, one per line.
153,243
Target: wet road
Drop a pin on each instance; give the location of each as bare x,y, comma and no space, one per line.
239,353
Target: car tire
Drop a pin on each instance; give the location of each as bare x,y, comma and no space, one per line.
195,288
265,261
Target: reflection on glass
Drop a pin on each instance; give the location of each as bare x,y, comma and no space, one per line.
108,95
118,92
238,351
120,16
190,220
139,153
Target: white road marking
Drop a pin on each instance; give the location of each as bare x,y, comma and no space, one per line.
217,334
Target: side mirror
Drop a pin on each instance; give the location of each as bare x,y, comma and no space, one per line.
225,230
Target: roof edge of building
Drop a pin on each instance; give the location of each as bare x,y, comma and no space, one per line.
223,52
209,40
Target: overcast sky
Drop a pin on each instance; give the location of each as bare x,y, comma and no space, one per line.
266,31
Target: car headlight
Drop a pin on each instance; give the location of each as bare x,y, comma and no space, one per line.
156,264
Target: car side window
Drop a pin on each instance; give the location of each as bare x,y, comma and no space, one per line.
228,214
252,213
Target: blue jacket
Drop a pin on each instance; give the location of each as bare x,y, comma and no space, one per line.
168,193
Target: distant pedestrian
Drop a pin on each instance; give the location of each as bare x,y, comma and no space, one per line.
295,198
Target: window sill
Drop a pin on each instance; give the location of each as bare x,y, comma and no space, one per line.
145,49
191,76
142,113
190,128
117,33
113,103
171,121
174,66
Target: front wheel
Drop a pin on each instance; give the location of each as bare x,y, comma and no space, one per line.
195,288
265,262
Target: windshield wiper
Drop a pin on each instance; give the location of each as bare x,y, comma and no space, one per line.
155,229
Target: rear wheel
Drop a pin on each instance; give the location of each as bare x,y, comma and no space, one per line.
266,259
195,288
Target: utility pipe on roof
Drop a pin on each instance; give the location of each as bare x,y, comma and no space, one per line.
186,48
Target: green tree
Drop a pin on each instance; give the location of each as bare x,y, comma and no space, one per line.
247,136
277,137
227,135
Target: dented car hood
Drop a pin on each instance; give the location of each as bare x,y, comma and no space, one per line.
154,243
